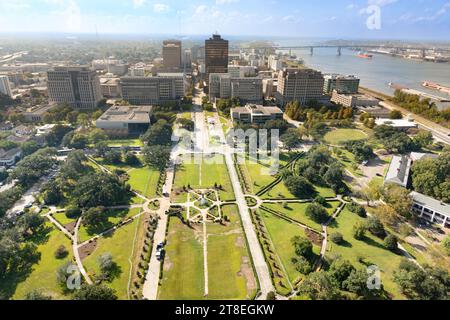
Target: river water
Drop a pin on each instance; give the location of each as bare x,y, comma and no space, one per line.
376,73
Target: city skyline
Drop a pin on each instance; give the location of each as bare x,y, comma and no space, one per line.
340,18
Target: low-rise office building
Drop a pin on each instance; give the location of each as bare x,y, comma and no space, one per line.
35,114
400,124
224,86
431,209
158,89
122,121
257,114
10,157
110,87
353,100
340,83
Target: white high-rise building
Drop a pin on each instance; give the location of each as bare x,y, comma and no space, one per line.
5,86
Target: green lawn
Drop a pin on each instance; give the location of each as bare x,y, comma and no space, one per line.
144,181
120,246
371,249
297,211
229,265
183,276
62,219
202,176
114,217
281,232
43,275
340,136
125,143
281,192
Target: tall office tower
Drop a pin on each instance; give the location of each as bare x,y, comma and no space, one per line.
5,87
216,56
77,86
172,57
341,83
299,84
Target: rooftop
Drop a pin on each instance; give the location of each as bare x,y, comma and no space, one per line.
128,114
431,203
9,154
257,109
400,123
399,169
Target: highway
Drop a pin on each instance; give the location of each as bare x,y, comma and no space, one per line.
439,132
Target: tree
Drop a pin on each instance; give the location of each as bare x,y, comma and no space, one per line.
303,247
391,242
73,212
359,231
61,252
84,120
340,270
446,244
399,199
97,135
337,237
79,141
99,189
317,212
157,156
159,133
430,176
107,265
95,292
299,187
375,227
95,218
423,138
30,223
395,114
63,273
271,296
334,177
131,159
113,157
425,284
357,283
37,295
358,209
29,147
291,139
302,265
319,286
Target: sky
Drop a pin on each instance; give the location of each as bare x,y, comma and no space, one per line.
343,19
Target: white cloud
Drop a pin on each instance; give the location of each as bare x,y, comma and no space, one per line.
219,2
138,3
201,9
381,3
160,7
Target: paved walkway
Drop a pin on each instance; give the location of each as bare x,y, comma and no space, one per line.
259,261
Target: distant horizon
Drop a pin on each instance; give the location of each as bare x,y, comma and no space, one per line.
199,36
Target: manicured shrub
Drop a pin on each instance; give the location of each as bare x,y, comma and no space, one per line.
336,237
61,252
391,242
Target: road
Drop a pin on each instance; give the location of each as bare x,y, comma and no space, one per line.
439,132
151,284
